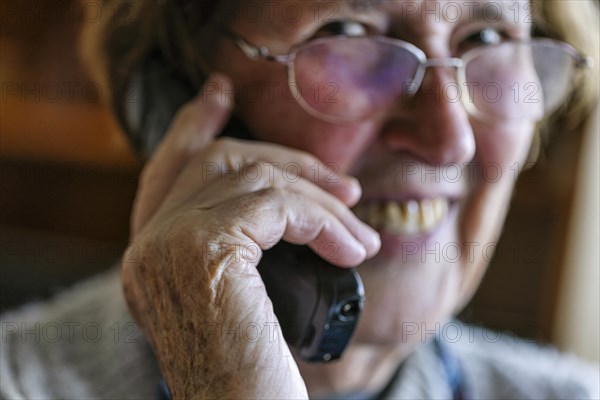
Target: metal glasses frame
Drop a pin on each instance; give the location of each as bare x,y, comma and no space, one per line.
253,52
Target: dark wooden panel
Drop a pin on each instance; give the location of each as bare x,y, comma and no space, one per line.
71,198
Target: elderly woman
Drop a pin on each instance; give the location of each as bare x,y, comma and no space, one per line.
392,114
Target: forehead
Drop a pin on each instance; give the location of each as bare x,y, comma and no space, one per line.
429,5
290,14
287,8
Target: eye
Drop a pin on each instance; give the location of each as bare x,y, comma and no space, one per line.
345,28
483,37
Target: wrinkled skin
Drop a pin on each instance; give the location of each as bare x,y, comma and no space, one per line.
188,225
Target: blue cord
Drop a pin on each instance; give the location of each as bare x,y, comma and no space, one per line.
453,371
163,391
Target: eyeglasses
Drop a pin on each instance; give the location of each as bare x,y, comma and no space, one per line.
343,79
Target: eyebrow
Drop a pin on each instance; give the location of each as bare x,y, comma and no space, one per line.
354,5
478,9
361,5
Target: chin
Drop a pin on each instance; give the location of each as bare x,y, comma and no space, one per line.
406,303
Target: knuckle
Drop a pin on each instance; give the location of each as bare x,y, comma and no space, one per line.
256,169
216,149
270,195
306,158
222,144
256,207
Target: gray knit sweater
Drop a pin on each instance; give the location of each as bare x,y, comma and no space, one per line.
82,344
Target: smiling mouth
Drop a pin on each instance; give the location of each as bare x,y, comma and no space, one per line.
411,217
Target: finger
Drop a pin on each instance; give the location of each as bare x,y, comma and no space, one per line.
221,191
362,232
227,158
295,164
194,127
269,215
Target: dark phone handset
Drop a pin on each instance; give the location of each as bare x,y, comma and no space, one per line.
317,304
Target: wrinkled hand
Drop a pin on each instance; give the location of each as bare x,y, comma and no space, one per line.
198,231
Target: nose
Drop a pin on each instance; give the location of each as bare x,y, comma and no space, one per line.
433,124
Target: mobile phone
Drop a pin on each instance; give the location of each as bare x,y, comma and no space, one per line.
317,304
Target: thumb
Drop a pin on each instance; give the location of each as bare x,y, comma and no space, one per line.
195,125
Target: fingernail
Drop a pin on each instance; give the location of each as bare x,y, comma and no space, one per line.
372,242
354,188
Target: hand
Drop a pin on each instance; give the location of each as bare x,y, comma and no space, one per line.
198,237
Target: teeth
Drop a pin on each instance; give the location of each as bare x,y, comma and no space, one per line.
392,213
427,218
411,223
404,218
440,208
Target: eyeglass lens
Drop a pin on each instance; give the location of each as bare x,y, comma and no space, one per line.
351,79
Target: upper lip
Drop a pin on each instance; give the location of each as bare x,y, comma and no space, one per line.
408,179
404,197
408,191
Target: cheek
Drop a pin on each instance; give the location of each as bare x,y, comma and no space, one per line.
277,118
500,154
503,147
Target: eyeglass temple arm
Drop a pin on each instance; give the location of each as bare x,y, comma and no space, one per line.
254,52
582,61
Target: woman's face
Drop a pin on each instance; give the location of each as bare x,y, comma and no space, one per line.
436,181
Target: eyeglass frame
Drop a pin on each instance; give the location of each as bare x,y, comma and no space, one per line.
253,52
